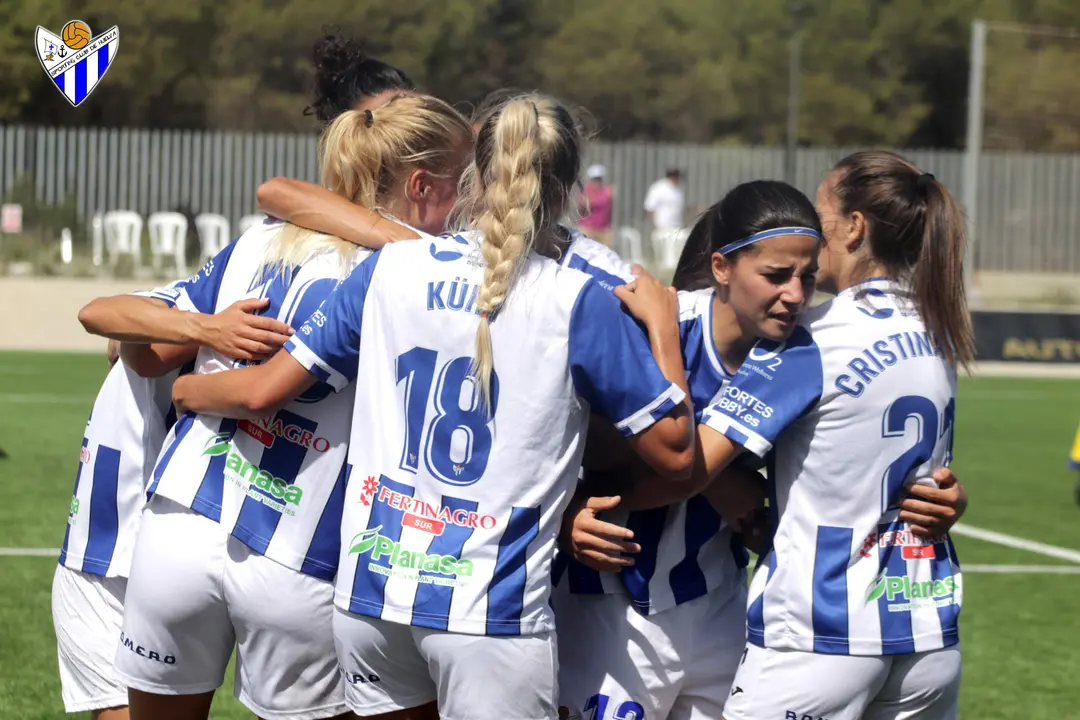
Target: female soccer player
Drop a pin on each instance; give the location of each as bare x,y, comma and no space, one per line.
663,638
851,615
666,638
240,540
482,359
130,418
346,78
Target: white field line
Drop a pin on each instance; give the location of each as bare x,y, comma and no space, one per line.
44,399
30,552
1021,569
1030,370
1012,541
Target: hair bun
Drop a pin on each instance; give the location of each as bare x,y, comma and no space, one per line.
345,73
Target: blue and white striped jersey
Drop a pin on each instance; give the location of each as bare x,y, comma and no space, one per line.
596,259
856,405
277,484
687,550
124,433
451,514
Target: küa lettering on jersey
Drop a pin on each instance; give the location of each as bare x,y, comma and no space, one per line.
856,405
451,511
277,483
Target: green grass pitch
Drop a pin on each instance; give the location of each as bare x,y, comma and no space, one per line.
1019,631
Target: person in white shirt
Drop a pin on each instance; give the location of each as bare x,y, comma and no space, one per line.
664,206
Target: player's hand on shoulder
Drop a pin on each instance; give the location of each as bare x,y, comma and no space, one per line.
237,333
932,511
593,542
649,300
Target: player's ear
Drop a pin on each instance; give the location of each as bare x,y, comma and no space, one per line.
721,269
418,186
855,231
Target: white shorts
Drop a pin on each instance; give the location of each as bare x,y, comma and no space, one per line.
390,667
794,685
88,611
195,591
675,664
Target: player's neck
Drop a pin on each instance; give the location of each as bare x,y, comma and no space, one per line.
731,341
860,273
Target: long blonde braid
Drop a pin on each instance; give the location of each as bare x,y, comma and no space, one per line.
527,162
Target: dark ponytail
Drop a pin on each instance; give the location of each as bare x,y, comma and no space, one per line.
345,75
746,209
915,230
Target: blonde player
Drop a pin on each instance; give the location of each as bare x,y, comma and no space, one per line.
240,507
127,425
484,360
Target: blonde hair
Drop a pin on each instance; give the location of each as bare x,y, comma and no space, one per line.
365,155
527,163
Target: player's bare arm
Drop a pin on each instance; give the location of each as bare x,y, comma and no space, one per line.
316,208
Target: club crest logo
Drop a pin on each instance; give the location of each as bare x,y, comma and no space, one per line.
75,59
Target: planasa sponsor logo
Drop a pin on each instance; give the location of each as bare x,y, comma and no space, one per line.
267,429
408,564
914,594
259,484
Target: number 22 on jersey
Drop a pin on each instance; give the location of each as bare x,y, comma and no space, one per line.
894,424
455,440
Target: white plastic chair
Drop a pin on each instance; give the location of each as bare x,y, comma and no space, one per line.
628,240
213,234
248,220
123,233
168,236
667,245
97,234
66,246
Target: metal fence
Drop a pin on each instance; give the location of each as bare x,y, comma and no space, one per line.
1028,204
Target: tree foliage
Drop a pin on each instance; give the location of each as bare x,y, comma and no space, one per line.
891,72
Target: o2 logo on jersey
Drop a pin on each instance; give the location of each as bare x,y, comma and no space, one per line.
769,359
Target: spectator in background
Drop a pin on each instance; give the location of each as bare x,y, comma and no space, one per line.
596,204
664,206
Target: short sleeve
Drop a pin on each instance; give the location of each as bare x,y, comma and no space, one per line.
776,385
328,344
199,293
612,366
608,279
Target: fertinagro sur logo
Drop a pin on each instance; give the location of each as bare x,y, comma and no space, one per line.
259,484
408,564
914,594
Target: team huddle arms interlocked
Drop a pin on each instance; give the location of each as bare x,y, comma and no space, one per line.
416,448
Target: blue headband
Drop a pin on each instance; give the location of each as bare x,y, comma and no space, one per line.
765,234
